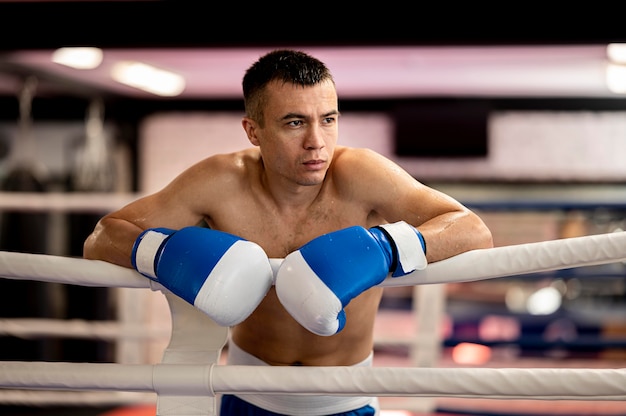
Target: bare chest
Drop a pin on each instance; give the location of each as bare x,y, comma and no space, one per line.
280,233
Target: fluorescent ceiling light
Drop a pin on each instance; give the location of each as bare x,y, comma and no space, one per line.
616,78
616,52
78,58
148,78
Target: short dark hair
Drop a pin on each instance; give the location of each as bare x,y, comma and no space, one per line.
288,66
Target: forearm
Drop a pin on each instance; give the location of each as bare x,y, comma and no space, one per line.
454,233
112,241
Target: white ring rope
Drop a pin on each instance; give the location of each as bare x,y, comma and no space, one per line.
176,379
466,267
95,202
76,398
78,328
195,380
69,270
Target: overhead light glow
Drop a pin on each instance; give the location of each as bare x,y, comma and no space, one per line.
78,58
616,78
148,78
544,301
616,53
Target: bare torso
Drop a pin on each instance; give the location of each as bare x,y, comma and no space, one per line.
270,333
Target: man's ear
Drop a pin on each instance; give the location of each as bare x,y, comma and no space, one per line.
250,128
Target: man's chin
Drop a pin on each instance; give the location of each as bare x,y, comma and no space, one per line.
311,180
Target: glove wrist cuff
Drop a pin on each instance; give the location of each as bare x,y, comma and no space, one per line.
409,247
146,250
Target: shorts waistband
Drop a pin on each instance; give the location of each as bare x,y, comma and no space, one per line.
305,405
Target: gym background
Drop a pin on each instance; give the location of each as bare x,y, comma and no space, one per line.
536,168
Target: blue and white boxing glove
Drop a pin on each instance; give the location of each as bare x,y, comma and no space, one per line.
223,275
318,280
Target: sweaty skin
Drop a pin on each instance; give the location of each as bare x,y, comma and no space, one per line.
293,185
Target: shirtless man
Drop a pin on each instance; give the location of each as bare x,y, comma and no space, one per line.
299,196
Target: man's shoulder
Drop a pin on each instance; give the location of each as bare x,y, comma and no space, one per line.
233,159
361,165
224,165
346,151
347,154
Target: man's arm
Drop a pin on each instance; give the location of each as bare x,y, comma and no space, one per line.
447,226
177,205
112,240
114,235
453,230
161,237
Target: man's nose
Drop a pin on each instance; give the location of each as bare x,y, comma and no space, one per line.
314,138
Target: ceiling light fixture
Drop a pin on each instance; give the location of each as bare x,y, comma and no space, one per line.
616,52
616,69
148,78
78,58
616,78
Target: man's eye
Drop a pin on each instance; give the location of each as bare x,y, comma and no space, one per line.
295,123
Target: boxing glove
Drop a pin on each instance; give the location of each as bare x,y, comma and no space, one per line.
317,281
223,275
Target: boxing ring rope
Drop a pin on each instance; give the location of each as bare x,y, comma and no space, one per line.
466,267
187,378
77,328
510,383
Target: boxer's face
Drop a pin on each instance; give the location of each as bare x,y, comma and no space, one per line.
300,131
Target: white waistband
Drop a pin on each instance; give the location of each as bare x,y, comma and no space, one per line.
304,405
